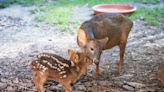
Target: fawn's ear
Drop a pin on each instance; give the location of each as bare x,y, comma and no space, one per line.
73,57
70,53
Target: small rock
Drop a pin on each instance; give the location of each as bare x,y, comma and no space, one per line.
11,89
137,85
53,88
5,80
59,86
49,39
81,88
128,88
3,86
104,83
127,76
16,80
150,90
56,88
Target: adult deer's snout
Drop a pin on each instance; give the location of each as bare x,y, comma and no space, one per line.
95,61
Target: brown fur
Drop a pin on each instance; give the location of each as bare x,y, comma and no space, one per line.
102,32
53,67
161,74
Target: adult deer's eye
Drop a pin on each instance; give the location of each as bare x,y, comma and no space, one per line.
92,49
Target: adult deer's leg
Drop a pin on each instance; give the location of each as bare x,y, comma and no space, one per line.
97,71
122,46
125,29
120,64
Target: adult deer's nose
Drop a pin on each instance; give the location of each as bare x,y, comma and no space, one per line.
96,61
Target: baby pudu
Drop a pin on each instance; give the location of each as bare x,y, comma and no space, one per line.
48,66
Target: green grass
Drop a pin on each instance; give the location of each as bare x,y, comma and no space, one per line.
6,3
58,16
137,14
60,12
93,2
28,2
149,1
154,16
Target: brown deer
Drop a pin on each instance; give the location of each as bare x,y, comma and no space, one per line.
48,66
161,74
102,32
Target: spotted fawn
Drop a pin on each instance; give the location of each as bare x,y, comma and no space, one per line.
47,66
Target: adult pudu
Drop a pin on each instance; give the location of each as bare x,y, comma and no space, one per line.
48,66
102,32
161,74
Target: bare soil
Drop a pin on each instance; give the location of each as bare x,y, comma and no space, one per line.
21,38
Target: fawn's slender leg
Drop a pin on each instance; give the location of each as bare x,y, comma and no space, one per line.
67,88
39,80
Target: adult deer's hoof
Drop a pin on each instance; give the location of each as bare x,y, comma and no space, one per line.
117,70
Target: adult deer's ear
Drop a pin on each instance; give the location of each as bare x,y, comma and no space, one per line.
74,57
82,38
103,42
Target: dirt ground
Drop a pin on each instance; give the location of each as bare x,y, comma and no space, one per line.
21,38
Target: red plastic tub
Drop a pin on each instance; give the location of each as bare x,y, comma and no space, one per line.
113,8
